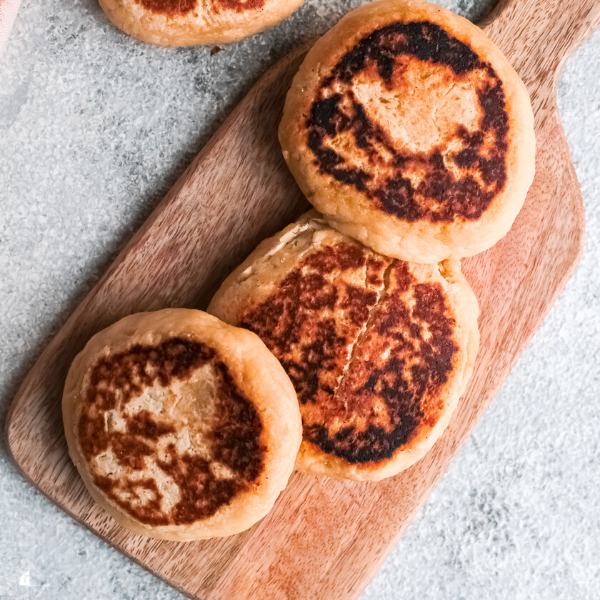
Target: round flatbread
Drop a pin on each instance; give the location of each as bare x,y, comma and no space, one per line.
192,22
410,131
182,427
379,350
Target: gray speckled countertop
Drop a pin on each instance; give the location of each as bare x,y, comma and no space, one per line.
94,129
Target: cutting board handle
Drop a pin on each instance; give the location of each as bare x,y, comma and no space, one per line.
538,36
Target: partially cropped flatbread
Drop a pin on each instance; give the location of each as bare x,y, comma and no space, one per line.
192,22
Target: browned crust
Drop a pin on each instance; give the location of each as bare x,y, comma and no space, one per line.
377,349
253,428
440,196
467,191
235,437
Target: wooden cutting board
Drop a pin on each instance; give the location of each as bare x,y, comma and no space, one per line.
324,539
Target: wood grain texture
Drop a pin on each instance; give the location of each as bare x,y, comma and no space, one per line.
538,36
238,191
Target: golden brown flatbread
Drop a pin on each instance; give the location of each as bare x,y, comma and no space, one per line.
410,131
192,22
182,427
379,350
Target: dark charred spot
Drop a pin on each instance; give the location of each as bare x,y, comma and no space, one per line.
92,436
142,424
375,270
413,371
473,139
351,256
130,450
357,303
235,435
240,5
295,324
145,513
440,196
326,115
375,320
182,7
169,7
